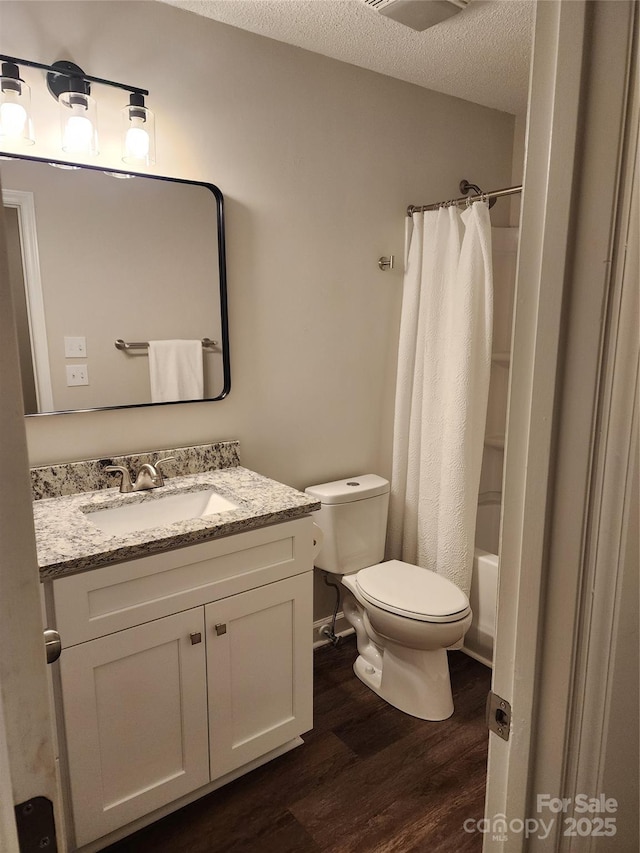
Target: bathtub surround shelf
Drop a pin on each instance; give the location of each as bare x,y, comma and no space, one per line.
490,498
496,442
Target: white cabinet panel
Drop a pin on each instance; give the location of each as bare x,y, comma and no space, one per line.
156,702
135,715
259,670
96,603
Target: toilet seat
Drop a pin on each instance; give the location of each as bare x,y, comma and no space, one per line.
412,592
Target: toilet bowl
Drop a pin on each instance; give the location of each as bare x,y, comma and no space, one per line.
412,623
404,616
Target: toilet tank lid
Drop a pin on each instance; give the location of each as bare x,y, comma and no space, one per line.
349,489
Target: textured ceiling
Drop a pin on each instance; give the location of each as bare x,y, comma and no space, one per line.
481,54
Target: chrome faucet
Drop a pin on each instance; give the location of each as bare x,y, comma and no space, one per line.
149,476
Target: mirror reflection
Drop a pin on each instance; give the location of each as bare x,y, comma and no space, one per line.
98,258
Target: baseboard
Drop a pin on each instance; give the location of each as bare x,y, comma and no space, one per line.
342,629
477,656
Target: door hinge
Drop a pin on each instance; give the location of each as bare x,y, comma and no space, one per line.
498,715
36,826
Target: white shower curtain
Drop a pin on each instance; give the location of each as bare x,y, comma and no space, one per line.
444,361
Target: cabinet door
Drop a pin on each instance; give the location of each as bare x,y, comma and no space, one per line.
259,671
135,713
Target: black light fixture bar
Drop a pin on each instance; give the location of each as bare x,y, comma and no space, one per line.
53,69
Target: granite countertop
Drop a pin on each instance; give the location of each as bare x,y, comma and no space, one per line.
68,542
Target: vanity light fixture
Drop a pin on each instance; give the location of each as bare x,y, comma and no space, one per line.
138,133
15,107
71,87
78,110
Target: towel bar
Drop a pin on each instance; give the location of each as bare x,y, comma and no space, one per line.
126,345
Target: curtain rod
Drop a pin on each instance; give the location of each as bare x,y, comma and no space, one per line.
470,198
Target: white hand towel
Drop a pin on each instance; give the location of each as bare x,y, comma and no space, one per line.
175,371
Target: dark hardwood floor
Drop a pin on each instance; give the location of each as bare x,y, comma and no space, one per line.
369,779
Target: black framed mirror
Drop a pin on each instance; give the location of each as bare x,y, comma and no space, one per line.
100,259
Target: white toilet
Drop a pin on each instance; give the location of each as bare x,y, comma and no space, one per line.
405,617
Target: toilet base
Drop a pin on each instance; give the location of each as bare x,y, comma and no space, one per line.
414,681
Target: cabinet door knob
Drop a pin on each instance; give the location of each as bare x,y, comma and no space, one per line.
221,629
52,644
195,638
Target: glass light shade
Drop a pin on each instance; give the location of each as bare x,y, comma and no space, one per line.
78,123
15,112
138,136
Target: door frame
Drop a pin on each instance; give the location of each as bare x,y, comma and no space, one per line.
578,108
23,203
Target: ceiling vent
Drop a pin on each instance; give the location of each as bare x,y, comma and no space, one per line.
418,14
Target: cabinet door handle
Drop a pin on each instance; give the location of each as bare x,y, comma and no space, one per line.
195,638
221,629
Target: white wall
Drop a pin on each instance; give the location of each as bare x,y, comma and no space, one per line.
318,161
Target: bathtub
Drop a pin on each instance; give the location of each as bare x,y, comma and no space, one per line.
483,597
478,642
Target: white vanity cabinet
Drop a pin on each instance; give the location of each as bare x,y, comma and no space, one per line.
181,668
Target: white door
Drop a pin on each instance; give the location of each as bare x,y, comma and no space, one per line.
135,716
260,671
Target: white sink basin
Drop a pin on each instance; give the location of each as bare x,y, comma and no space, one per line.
129,518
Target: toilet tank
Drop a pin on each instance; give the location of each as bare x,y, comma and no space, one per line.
353,519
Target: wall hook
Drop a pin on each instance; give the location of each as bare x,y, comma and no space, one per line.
386,263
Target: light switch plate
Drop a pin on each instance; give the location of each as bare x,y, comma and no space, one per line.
75,347
77,374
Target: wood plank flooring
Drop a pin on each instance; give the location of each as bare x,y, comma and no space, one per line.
369,779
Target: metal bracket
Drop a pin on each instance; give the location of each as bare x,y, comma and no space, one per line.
498,715
36,826
386,263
